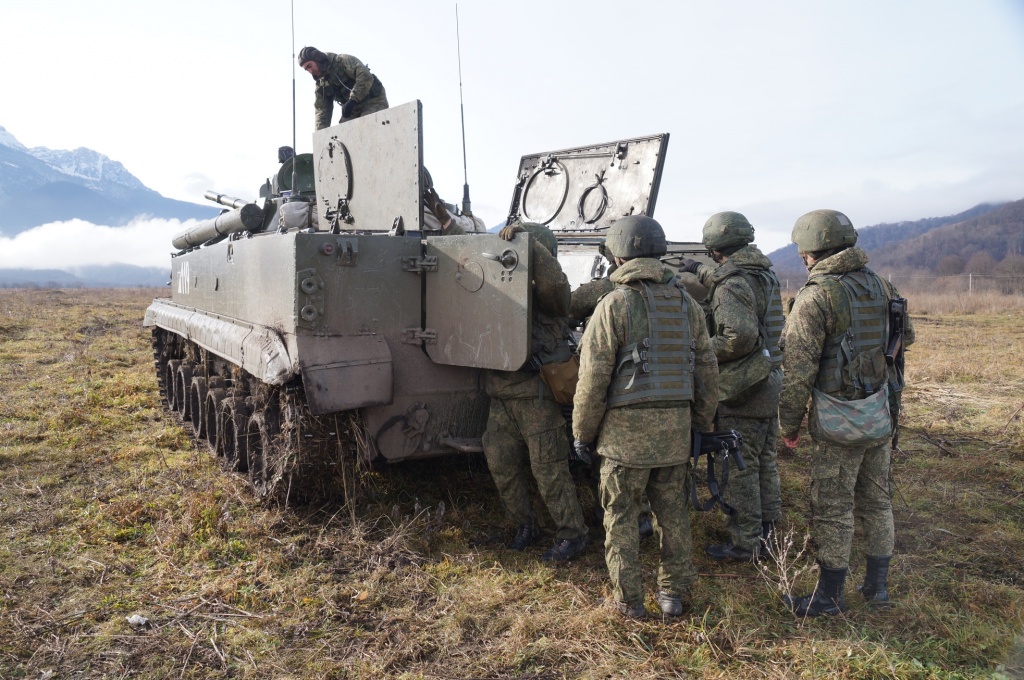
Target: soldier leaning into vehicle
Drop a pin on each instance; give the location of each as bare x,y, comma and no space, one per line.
744,313
344,79
646,370
525,423
835,349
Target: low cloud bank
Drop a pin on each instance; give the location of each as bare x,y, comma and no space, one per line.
69,245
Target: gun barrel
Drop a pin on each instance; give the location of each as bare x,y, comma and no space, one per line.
248,217
225,200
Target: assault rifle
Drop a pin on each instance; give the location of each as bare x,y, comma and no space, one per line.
897,327
894,355
723,446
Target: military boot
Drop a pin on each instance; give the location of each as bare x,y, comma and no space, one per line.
565,549
631,611
671,605
875,577
526,534
827,598
727,552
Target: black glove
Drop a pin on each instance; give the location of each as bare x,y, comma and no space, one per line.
689,266
583,453
509,232
346,108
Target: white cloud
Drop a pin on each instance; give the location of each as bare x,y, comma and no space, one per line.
68,245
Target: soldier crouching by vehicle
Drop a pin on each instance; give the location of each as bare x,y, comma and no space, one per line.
744,310
525,423
839,356
647,371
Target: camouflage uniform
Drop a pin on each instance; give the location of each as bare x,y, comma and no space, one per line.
344,77
733,310
525,422
846,481
643,447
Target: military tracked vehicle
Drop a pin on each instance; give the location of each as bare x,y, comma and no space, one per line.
324,321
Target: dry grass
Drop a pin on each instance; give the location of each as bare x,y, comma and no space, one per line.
108,511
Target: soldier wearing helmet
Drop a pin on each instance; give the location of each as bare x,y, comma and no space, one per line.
525,425
834,357
647,372
344,79
744,313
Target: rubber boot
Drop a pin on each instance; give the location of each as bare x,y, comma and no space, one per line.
827,598
670,605
875,577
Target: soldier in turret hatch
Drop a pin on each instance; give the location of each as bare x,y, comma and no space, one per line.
344,79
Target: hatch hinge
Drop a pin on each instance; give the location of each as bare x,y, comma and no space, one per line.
419,336
419,263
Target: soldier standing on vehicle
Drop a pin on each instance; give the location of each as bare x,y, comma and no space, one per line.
837,347
744,313
344,79
647,371
525,424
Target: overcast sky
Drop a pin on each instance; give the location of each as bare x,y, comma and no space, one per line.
884,109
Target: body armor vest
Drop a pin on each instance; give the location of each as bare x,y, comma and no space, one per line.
660,366
770,318
867,299
549,341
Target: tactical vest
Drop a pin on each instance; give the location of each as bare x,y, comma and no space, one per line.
770,318
867,299
339,85
660,366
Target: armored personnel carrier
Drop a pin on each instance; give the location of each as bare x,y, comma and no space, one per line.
325,321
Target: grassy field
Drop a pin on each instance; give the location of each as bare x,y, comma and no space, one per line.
108,511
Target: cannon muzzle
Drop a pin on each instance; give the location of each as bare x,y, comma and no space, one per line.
225,200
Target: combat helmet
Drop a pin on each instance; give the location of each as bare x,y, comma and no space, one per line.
727,229
543,236
823,230
636,236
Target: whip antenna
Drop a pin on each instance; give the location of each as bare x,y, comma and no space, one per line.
462,113
295,163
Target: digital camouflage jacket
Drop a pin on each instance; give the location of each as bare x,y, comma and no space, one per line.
648,435
732,310
817,315
343,78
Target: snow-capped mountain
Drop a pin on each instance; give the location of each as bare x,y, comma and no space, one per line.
87,165
42,185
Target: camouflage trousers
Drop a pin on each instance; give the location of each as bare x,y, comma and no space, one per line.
521,431
666,487
754,492
369,105
848,482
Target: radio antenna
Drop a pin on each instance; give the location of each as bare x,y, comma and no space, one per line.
295,165
462,113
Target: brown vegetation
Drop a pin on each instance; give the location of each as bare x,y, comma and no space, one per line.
109,511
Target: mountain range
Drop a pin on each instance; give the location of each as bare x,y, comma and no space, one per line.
41,185
988,234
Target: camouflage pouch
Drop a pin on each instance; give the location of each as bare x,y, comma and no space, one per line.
562,377
740,380
859,422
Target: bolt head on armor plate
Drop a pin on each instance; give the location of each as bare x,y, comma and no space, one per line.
636,236
726,229
823,230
